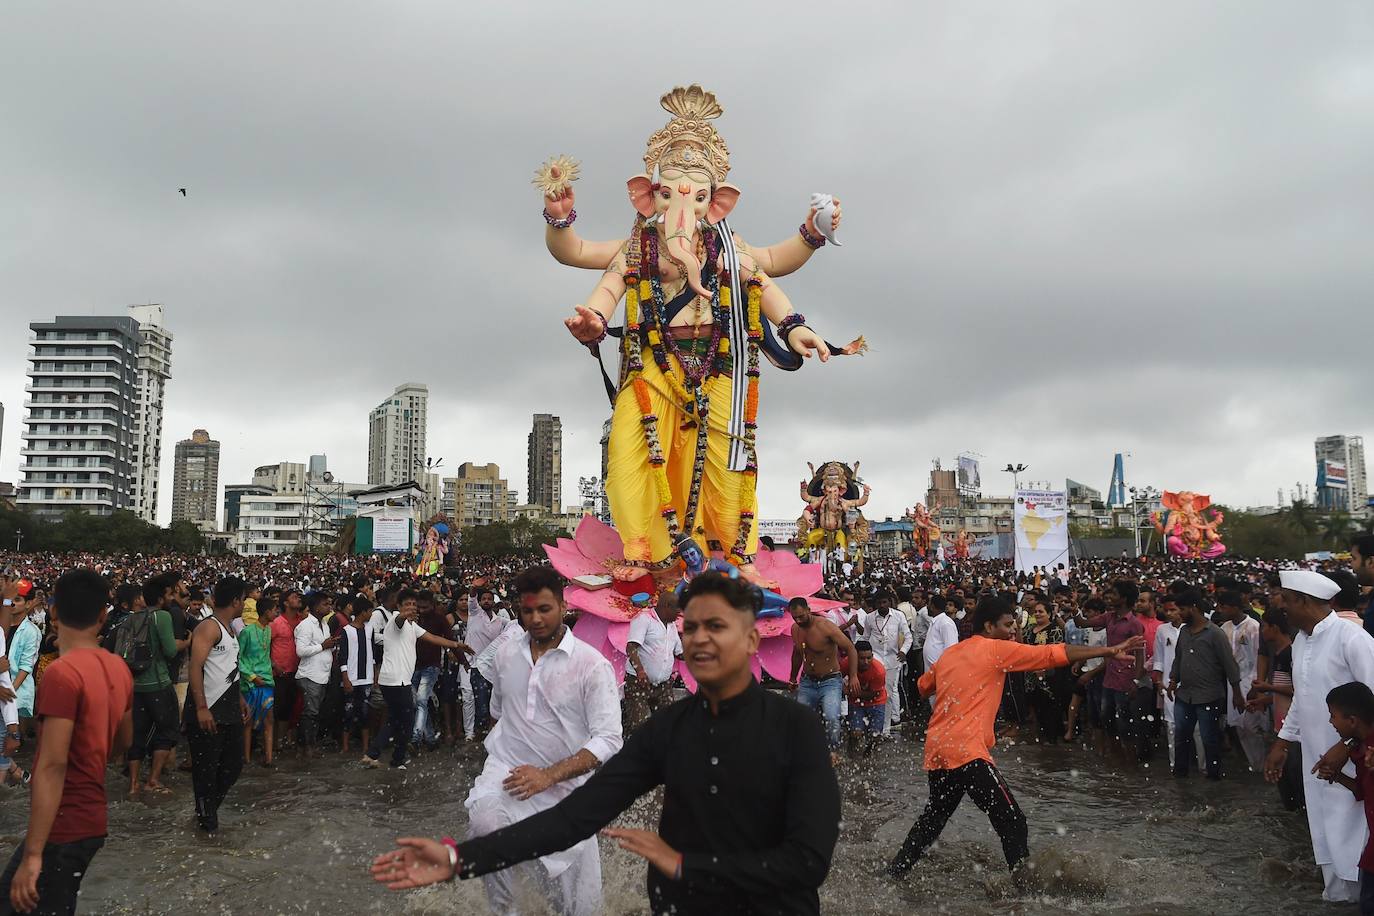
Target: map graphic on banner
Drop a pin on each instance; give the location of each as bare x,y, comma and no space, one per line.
1041,523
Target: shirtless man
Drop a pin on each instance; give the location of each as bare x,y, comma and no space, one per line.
816,644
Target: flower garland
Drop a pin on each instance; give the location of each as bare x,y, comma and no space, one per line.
754,312
646,319
635,291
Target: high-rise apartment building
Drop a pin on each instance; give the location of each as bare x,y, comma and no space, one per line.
282,477
1341,481
234,494
195,481
83,398
319,466
396,436
154,369
545,483
479,495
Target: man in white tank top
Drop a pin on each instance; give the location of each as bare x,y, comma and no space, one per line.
215,708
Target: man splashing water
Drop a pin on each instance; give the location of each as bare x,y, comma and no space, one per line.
967,684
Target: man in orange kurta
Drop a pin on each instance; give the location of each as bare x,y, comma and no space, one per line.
967,685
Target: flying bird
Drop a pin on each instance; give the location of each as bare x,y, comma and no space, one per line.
183,191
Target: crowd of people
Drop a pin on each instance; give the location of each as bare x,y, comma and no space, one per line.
208,664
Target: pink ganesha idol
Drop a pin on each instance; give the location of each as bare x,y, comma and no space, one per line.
1186,531
606,609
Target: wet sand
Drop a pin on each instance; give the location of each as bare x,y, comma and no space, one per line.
297,840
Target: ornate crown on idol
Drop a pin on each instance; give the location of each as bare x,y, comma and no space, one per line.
689,141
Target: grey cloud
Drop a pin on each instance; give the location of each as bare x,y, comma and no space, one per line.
1071,228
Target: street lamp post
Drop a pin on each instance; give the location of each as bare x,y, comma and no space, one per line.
18,539
1015,471
1139,495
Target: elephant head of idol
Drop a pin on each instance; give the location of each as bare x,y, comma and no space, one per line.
683,187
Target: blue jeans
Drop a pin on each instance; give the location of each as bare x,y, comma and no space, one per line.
867,720
423,683
1209,718
481,701
824,696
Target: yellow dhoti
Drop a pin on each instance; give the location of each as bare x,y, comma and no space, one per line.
816,537
629,478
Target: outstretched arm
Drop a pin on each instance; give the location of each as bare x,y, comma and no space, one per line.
791,253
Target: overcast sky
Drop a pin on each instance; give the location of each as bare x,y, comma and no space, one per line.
1071,229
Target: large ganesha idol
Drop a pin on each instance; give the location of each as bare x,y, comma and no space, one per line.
701,306
1186,531
831,520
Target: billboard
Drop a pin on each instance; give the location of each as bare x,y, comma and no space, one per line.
783,531
1041,529
1332,474
391,535
968,473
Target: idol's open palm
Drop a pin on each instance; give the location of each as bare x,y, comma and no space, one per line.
414,863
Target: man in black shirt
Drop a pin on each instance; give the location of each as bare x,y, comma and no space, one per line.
751,808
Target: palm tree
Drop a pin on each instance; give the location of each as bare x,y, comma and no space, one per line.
1301,517
1337,529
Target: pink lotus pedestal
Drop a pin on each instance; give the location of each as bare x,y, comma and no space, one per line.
606,614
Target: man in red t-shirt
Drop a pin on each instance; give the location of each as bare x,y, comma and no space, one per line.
84,709
868,707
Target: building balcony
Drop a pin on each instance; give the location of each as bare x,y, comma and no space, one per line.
94,499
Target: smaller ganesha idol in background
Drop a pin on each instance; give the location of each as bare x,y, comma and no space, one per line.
432,552
1186,531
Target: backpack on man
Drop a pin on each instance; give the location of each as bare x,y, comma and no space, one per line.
133,641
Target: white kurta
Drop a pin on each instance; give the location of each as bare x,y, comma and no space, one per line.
546,712
943,633
890,637
1336,653
1244,637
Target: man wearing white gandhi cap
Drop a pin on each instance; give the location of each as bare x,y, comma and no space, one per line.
1327,652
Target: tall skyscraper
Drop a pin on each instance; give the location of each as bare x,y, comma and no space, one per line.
545,484
1341,481
396,436
154,369
83,402
319,464
195,481
1116,493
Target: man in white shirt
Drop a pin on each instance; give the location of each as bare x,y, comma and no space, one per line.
399,637
315,648
650,650
557,715
485,624
943,632
1327,652
1243,631
889,635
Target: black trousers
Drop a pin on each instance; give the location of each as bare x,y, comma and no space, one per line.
216,761
400,719
984,784
155,723
64,865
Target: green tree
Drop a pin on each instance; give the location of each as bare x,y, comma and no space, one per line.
1336,529
183,537
492,540
1301,517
